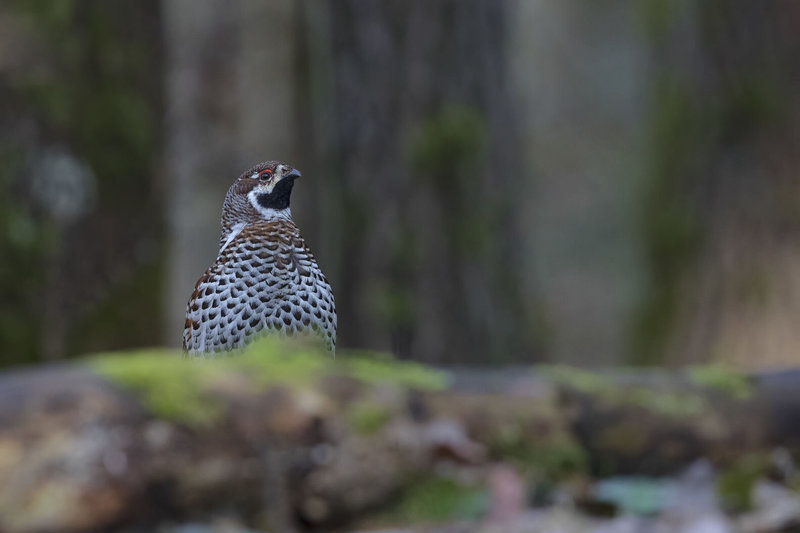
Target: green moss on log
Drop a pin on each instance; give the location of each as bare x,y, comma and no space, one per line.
665,399
368,418
735,484
723,379
167,385
435,500
379,368
549,460
181,390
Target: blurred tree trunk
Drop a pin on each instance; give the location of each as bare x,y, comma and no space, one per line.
582,132
230,83
200,156
723,220
416,177
81,229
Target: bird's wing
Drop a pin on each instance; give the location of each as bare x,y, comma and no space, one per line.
192,338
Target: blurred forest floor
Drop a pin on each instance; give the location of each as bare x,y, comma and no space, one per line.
284,438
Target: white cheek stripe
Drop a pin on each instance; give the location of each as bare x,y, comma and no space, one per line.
235,230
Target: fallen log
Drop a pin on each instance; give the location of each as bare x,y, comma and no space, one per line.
287,439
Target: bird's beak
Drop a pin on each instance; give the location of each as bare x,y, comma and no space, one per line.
294,174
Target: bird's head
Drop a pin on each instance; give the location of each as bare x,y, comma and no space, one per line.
261,193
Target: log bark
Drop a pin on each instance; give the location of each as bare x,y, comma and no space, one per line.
80,452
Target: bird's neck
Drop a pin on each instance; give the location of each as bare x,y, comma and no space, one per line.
232,228
269,214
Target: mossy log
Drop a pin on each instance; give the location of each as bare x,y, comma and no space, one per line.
287,439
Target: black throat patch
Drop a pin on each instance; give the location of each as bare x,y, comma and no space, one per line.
279,197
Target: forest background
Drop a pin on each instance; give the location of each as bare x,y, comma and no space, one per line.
486,183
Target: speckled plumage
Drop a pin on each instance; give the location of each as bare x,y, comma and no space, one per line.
264,279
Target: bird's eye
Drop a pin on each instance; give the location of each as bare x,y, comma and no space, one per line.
265,175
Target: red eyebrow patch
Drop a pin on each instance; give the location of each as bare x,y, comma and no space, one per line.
267,171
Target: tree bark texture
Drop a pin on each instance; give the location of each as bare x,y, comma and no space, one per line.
417,164
721,221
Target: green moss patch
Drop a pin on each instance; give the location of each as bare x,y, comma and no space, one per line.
436,500
179,389
665,399
551,461
167,385
271,361
723,379
576,378
368,418
381,368
735,483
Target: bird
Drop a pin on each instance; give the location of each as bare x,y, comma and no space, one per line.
264,280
